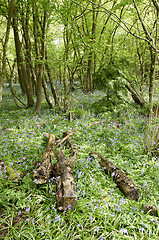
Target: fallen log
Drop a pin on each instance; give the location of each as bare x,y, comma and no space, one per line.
151,209
43,172
66,193
138,99
125,184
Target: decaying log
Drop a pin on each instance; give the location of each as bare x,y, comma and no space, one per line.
43,172
66,193
125,184
151,209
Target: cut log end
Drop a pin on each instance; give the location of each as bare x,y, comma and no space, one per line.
151,209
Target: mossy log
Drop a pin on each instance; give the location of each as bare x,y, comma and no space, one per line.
66,193
43,172
125,184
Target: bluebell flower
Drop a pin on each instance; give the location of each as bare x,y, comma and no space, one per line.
57,218
123,231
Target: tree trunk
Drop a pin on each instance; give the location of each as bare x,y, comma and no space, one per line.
89,74
66,59
47,96
66,194
10,80
152,74
2,73
23,77
54,93
28,50
41,64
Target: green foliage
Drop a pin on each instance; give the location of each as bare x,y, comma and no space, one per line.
29,211
103,105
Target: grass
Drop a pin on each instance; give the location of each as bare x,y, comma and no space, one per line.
28,211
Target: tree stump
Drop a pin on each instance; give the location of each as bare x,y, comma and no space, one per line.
125,184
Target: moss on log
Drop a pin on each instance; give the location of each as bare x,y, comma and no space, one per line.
43,172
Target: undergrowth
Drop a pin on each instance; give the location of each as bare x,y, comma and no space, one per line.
28,211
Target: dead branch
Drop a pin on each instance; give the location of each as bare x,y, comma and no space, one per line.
70,133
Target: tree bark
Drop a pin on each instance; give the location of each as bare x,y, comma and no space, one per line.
47,96
2,73
125,184
66,194
23,76
54,93
28,50
41,64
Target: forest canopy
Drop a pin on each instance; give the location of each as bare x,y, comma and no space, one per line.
108,45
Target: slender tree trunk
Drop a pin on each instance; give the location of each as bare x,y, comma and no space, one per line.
89,74
2,73
28,50
152,74
41,65
66,58
54,93
47,96
91,56
20,63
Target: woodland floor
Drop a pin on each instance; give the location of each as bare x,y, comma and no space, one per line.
28,210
